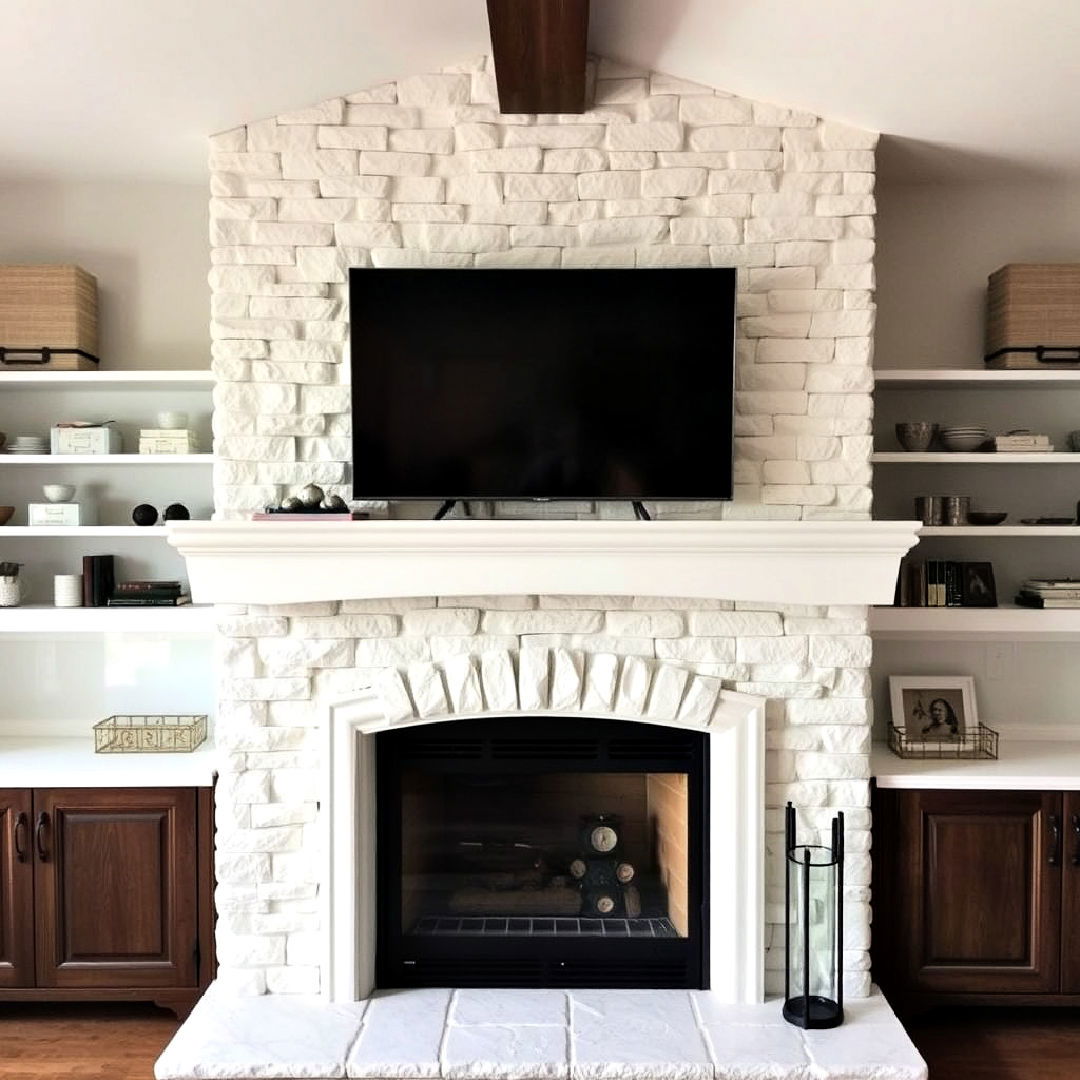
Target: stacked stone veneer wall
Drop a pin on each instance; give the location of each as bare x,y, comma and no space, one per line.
427,172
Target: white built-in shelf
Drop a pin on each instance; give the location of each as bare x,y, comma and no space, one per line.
83,532
110,459
1002,531
60,762
1021,765
109,380
906,457
975,378
39,619
973,624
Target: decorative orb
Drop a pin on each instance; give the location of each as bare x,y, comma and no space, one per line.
312,496
144,514
292,504
337,503
177,512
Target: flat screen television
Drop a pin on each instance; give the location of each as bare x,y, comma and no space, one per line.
542,384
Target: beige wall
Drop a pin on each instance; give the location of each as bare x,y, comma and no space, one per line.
937,244
145,242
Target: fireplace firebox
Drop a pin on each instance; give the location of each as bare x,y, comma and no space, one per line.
576,856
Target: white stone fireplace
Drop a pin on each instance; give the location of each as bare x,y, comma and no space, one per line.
763,596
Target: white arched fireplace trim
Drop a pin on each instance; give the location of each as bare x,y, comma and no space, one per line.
735,726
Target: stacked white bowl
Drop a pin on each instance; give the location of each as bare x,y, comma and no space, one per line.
67,590
962,438
29,444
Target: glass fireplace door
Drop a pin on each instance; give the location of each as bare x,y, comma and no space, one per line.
575,858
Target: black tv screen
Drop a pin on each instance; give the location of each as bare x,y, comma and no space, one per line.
542,384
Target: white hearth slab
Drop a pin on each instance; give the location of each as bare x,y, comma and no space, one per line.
788,562
531,1035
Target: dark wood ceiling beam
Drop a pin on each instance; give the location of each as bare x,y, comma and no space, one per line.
539,52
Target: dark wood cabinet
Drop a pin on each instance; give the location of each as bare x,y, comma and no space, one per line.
106,894
977,895
16,890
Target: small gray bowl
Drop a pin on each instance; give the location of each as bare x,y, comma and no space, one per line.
916,434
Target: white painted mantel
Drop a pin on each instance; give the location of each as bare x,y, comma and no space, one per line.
790,562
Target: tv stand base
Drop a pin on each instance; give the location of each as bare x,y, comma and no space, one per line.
640,512
639,509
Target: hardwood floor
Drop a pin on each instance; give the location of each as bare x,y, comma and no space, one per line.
63,1042
999,1044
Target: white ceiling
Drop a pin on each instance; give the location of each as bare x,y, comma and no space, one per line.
965,89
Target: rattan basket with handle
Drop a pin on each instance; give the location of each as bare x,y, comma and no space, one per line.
1033,316
48,318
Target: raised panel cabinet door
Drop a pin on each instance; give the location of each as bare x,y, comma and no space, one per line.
1070,897
16,890
980,904
116,885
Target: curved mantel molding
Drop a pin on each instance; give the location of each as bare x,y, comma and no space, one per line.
793,562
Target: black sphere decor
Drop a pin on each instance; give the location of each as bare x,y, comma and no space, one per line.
177,512
144,514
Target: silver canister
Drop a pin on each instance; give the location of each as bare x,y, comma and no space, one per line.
956,509
930,509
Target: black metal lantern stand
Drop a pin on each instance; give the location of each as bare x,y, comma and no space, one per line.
814,928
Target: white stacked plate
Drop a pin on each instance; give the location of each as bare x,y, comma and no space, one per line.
964,437
29,444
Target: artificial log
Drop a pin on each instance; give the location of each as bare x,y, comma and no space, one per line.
539,51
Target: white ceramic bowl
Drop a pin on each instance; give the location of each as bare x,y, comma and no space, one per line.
58,493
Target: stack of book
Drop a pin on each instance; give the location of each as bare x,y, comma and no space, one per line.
1050,593
932,583
1023,444
148,594
167,441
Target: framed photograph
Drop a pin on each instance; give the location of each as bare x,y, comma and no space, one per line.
977,585
933,708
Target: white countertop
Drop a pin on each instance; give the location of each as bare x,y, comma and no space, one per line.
54,762
1021,766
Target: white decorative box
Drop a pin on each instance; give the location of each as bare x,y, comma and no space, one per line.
61,514
85,440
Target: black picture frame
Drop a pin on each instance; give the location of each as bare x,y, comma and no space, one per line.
977,587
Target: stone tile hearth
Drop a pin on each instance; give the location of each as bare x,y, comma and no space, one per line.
532,1035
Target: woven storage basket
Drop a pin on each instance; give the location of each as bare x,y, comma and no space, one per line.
1033,317
48,318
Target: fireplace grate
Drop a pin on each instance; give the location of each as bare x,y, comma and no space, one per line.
443,926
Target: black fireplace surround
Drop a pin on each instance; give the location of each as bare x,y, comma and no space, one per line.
542,852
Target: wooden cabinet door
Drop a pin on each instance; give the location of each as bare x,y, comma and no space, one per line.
16,889
1070,897
116,887
980,890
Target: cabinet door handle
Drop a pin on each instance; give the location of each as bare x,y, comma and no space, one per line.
1076,834
39,836
1055,840
19,835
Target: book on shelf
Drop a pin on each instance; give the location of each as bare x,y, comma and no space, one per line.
149,601
148,586
1034,600
944,583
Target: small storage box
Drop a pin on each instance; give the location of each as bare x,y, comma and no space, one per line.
85,440
48,318
1033,317
149,734
72,513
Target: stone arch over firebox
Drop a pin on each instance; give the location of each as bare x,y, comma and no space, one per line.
529,686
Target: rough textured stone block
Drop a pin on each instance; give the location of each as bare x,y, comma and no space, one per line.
463,683
499,681
601,679
568,668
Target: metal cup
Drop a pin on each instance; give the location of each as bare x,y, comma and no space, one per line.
929,509
956,509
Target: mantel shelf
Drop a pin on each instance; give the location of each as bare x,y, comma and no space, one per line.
794,562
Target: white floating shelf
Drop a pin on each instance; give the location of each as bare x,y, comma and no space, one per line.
37,619
109,459
109,380
82,532
905,457
1033,531
973,624
975,378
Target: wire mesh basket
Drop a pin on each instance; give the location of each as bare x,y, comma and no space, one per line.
149,734
980,743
